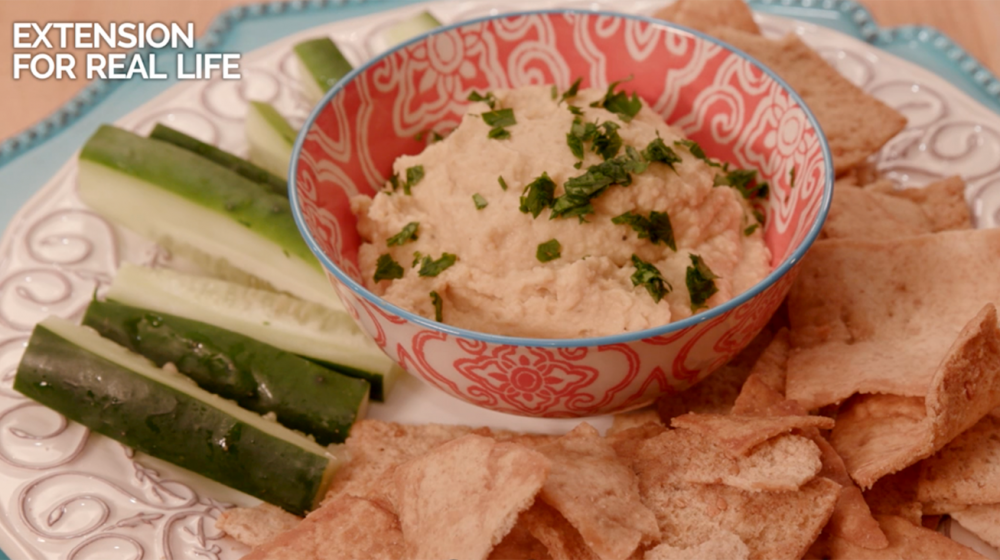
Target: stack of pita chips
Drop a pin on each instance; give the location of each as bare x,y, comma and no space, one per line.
867,409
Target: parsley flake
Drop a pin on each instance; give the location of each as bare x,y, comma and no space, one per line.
750,229
700,282
538,195
430,267
743,180
387,269
579,133
489,98
503,184
608,142
649,277
697,152
656,227
479,201
499,120
575,110
657,151
413,176
579,191
572,91
394,181
437,303
548,251
407,234
619,103
416,259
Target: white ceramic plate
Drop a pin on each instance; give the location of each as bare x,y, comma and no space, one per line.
65,493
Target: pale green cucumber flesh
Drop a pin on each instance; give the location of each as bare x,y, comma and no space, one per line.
178,223
103,386
302,395
270,138
407,29
323,61
310,330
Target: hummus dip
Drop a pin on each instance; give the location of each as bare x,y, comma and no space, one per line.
454,235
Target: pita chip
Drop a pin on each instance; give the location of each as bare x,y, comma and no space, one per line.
626,442
982,520
765,388
520,544
723,545
967,470
942,202
597,494
633,419
257,525
881,316
716,393
376,447
881,434
739,434
706,15
855,123
347,527
461,499
560,538
896,494
906,542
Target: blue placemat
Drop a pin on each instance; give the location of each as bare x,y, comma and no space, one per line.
28,160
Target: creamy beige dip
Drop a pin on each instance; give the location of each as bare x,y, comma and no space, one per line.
497,284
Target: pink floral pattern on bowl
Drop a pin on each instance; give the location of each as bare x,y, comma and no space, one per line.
734,109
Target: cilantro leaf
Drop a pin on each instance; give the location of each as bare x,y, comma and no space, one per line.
649,277
572,91
437,303
657,151
700,282
579,133
413,176
503,184
479,201
619,103
407,234
499,117
538,195
430,267
656,227
607,143
489,98
575,145
387,269
548,251
498,133
575,110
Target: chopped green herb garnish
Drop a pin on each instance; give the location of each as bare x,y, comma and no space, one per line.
743,181
503,184
700,282
407,234
548,251
489,99
750,229
659,152
555,92
387,269
416,259
582,189
791,179
479,201
394,181
575,110
498,133
608,142
437,303
500,117
649,277
619,103
413,176
435,137
759,215
538,195
579,133
572,91
697,152
430,267
656,227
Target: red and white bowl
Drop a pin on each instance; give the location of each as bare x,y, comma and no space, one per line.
735,108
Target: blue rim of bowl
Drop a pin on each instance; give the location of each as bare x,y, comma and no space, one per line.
630,336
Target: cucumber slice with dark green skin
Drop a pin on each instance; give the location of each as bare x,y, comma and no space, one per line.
270,137
303,395
275,184
313,331
114,392
322,65
200,210
403,31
